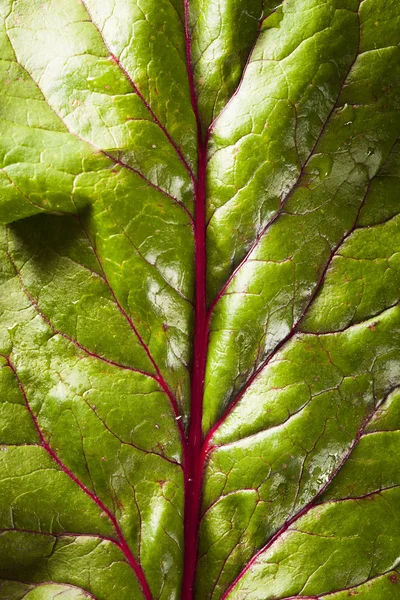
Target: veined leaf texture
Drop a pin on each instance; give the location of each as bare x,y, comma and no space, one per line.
199,303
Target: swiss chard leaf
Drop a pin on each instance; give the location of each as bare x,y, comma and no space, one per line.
199,308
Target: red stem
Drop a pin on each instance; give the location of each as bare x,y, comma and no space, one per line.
193,459
193,462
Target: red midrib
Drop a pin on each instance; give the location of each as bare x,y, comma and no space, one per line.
193,462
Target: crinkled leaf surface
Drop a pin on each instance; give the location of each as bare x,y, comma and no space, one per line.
200,299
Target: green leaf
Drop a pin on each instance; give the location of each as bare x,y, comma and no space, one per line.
199,304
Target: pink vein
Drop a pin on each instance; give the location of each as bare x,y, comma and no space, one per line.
122,543
142,98
285,527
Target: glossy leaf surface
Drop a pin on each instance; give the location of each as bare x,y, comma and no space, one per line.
199,305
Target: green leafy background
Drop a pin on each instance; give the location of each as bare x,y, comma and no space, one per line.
298,107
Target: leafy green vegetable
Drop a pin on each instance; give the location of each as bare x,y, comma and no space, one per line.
200,299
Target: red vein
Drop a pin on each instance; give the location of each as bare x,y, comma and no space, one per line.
125,165
345,589
115,160
148,262
142,98
159,377
291,191
122,543
124,442
67,585
372,494
244,71
351,587
64,335
193,96
193,447
312,504
156,120
294,329
40,208
57,534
